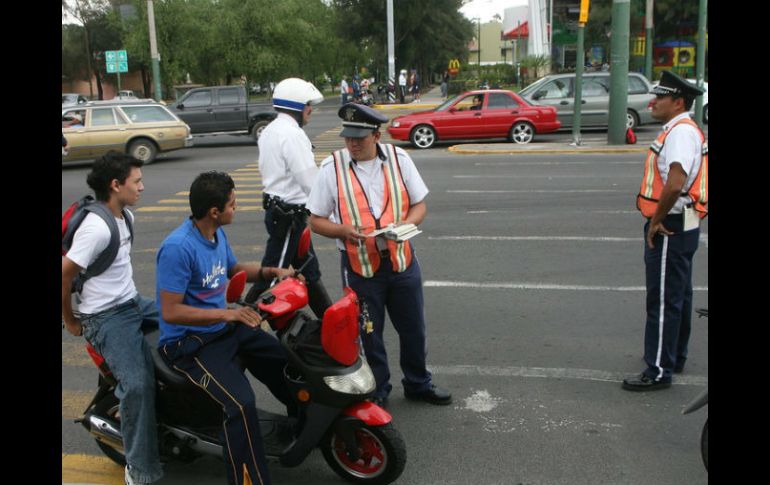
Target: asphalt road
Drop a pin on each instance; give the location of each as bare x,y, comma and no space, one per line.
534,288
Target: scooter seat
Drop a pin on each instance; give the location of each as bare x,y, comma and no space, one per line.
162,371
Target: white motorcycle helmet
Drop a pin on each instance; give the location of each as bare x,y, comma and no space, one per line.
294,93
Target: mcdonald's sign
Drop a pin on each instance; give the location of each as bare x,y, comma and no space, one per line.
454,67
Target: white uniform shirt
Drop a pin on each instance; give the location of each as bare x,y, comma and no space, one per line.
344,87
114,286
286,160
682,145
402,80
323,199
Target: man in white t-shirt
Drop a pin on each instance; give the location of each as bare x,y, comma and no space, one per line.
111,312
344,90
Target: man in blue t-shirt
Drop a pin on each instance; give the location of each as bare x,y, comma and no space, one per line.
200,337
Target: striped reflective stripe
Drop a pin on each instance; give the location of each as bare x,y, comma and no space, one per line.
396,202
662,308
351,210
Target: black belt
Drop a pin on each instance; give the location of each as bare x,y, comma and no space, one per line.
271,201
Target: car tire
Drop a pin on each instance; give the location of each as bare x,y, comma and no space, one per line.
632,120
423,136
144,150
521,133
257,129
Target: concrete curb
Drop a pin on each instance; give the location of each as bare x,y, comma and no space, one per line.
470,149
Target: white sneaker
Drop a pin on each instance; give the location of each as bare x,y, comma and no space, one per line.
131,480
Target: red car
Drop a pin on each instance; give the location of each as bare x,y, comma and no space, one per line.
492,113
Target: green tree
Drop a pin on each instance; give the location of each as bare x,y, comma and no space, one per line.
427,34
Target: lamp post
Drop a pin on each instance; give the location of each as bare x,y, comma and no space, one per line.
154,51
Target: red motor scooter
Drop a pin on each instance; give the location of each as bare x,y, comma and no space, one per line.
327,375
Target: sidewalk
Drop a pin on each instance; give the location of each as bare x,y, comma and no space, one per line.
430,99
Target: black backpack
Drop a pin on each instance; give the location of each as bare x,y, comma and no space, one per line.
70,222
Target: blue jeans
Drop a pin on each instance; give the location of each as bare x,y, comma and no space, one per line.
117,335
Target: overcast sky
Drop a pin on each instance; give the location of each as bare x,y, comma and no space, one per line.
486,9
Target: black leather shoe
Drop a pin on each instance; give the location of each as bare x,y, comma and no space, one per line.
644,383
679,368
434,395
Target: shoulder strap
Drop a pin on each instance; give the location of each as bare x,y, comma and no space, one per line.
106,258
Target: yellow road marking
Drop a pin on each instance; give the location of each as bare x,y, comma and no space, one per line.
90,469
246,208
74,354
73,403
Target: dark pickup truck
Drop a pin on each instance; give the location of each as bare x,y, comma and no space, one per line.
222,110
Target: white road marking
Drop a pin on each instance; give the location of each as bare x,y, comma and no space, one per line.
703,238
551,373
536,286
584,191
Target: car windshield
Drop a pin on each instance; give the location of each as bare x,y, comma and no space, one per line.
534,86
446,104
143,114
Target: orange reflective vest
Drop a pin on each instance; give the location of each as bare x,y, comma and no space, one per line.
354,209
652,183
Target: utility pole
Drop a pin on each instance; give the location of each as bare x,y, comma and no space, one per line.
576,139
391,55
700,59
648,21
621,19
154,51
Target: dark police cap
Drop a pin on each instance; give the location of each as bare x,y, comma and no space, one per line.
359,121
673,85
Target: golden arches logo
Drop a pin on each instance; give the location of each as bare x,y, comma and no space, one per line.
454,64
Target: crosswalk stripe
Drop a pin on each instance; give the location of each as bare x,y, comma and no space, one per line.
90,469
73,403
187,209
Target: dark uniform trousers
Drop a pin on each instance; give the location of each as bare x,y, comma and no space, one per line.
209,361
669,297
401,294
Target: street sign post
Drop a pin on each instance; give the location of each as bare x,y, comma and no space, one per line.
117,62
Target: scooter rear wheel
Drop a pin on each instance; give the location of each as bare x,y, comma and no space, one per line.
704,444
382,455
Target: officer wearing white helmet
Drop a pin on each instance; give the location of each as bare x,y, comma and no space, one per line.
289,170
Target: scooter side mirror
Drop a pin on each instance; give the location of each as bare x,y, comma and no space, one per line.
304,244
236,286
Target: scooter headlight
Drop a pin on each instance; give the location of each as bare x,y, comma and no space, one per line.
358,382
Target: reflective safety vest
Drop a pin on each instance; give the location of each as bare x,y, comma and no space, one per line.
652,183
355,210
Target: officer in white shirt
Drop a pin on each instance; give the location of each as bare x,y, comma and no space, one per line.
358,190
288,170
673,197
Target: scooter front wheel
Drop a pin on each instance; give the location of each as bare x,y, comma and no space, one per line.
381,454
